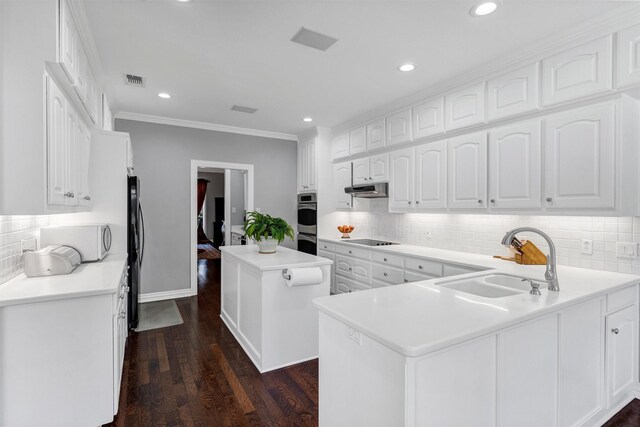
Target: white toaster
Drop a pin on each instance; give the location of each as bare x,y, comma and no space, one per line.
51,261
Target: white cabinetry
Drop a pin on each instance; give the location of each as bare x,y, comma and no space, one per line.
341,180
399,127
307,164
376,135
361,171
340,146
467,171
515,166
577,72
513,93
580,150
464,107
69,42
379,168
629,56
622,350
428,118
358,140
401,176
431,175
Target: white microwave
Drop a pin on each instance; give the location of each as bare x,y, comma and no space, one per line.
92,241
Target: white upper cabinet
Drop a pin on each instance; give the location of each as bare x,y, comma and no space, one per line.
68,43
71,179
513,93
467,171
358,140
307,165
629,56
83,156
578,72
339,146
341,180
399,127
580,158
361,171
57,144
401,180
465,107
431,175
379,168
428,118
376,135
515,166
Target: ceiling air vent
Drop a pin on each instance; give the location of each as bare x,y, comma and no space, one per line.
242,109
132,80
312,39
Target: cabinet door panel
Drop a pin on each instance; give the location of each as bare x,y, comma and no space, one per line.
56,144
401,179
428,118
358,140
379,168
399,127
528,381
84,149
302,162
577,72
515,167
431,175
71,161
68,43
340,146
361,171
342,179
312,174
629,56
513,93
622,353
465,107
376,135
580,158
467,171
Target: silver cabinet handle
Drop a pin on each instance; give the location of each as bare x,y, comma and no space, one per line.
417,202
370,179
406,280
409,202
385,274
615,331
549,199
69,194
385,260
87,198
493,201
349,268
349,251
420,267
122,296
479,200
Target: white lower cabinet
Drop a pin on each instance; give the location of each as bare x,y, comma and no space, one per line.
622,353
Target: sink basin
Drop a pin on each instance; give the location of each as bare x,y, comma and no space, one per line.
491,285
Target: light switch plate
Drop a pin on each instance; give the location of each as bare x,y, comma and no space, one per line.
587,247
233,209
627,250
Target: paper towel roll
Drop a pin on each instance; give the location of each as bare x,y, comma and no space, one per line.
303,276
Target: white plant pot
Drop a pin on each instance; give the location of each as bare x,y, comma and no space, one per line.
267,245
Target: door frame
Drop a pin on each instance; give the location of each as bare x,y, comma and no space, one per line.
249,197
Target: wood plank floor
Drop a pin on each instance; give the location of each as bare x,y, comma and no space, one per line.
196,374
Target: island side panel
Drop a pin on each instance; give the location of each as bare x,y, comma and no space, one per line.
229,291
361,382
250,325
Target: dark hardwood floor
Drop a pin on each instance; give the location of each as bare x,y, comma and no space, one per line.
196,374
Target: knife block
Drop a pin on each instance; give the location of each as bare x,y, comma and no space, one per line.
529,254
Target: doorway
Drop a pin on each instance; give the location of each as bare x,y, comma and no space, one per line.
221,194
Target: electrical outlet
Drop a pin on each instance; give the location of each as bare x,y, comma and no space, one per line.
627,250
427,234
28,245
587,247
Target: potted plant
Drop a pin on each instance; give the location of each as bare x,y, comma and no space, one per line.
267,231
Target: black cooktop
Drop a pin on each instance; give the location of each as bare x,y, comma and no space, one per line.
370,242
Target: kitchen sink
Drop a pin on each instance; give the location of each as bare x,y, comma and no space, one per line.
491,285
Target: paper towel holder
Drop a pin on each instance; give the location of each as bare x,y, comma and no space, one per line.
285,275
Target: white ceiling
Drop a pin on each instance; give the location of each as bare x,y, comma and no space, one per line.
210,55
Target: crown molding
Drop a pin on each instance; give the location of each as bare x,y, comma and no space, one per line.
616,20
124,115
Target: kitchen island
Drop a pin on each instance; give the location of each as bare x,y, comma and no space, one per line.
275,323
426,354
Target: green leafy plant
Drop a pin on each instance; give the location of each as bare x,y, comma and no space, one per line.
259,226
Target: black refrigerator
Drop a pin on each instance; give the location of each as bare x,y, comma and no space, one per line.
135,247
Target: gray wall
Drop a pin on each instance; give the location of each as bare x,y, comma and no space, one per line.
162,156
215,188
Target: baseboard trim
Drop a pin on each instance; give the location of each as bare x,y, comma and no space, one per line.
159,296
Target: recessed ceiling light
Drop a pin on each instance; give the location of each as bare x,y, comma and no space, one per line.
407,67
307,119
164,95
484,7
184,1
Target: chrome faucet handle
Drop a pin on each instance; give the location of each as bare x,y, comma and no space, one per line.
535,287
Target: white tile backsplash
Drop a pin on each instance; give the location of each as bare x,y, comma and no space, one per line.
482,234
14,229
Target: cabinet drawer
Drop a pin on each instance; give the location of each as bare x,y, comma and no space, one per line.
454,270
388,259
344,285
341,287
387,274
354,252
410,276
358,286
328,255
325,246
424,266
622,298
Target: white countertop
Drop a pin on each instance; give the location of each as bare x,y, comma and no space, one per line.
88,279
421,317
283,258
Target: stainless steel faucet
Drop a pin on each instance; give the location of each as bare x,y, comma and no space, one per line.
551,274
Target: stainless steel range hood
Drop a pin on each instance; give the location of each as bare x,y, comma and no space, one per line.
369,191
